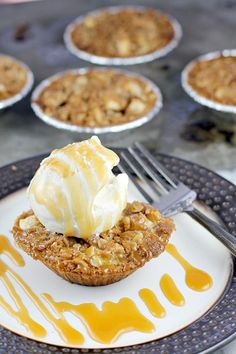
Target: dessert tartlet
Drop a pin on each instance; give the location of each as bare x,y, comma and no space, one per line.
211,80
15,80
97,98
80,224
123,32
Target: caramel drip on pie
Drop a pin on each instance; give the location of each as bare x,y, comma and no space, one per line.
107,324
46,199
196,279
76,190
79,202
72,202
152,303
59,208
6,247
171,291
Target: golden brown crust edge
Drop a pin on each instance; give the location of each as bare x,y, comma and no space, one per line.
60,254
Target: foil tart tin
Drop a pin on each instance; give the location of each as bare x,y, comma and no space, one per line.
229,110
95,59
95,130
25,89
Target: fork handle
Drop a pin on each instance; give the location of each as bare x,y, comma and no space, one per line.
218,231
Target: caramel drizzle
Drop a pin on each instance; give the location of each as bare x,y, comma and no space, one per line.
171,291
152,303
21,314
196,279
6,247
123,315
67,333
56,202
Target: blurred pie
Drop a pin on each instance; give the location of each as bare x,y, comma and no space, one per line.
127,32
97,98
215,79
13,77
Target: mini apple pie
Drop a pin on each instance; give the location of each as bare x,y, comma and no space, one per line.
97,98
125,32
141,234
215,79
13,77
80,224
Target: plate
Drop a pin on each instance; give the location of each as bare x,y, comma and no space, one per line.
117,60
96,130
206,318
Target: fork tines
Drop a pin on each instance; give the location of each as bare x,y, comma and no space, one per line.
138,176
152,179
143,170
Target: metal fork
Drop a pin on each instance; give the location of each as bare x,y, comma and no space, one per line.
162,190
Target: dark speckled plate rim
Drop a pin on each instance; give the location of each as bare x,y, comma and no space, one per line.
24,170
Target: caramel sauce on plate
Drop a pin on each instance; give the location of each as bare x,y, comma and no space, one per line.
107,324
6,247
22,313
196,279
68,333
104,325
152,303
171,291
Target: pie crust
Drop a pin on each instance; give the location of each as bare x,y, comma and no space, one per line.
141,234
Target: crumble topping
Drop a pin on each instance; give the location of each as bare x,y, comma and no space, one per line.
215,79
13,77
141,234
97,98
125,33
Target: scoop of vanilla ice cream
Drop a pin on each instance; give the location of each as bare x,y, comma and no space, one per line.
74,191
